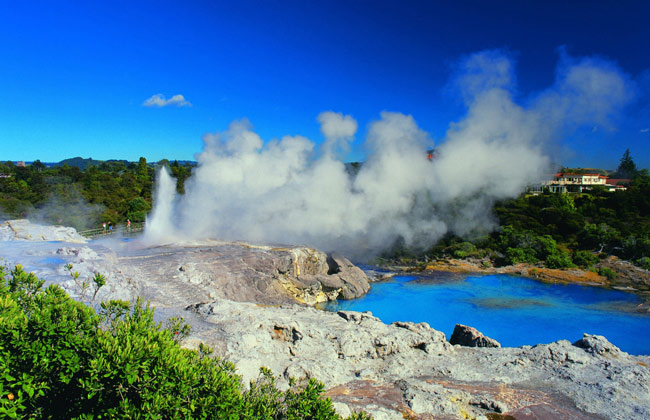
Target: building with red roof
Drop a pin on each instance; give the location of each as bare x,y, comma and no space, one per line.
565,182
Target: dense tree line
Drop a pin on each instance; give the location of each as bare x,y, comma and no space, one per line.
111,191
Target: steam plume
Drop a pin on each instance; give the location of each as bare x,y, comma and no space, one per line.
244,189
159,226
338,130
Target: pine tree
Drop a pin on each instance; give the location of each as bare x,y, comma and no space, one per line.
627,168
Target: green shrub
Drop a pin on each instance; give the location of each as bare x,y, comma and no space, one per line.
265,401
525,246
607,272
559,259
520,255
464,250
584,258
59,359
137,216
644,262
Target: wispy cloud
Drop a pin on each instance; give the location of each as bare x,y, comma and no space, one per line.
158,100
644,130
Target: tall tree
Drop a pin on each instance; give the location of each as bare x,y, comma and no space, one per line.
142,168
627,167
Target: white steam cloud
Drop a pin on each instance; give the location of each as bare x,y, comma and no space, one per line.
159,226
276,192
338,130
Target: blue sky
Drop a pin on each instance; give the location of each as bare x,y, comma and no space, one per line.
74,76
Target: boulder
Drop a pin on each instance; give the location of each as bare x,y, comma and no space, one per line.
355,281
311,276
597,345
471,337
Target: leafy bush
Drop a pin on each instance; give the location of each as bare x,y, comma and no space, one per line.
636,247
607,272
559,259
520,255
137,216
464,250
531,246
644,263
60,359
599,236
265,401
584,258
138,209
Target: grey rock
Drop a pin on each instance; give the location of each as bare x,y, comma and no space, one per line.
489,404
597,344
296,372
24,230
471,337
357,317
355,281
342,409
235,297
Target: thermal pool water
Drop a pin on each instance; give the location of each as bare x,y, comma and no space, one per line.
513,310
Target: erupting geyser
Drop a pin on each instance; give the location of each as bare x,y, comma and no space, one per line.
159,226
283,191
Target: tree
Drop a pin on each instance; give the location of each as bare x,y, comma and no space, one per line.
142,168
601,235
138,208
37,166
627,167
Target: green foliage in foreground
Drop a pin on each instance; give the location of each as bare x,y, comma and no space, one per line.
59,359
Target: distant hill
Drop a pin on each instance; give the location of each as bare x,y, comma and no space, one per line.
79,162
187,162
83,164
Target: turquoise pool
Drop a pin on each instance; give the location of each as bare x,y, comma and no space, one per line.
513,310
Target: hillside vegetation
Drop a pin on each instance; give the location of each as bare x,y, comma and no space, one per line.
111,191
558,230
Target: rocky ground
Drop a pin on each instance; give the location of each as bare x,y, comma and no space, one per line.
249,303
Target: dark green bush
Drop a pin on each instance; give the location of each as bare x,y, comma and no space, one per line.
559,259
464,250
584,258
520,255
61,360
644,262
607,272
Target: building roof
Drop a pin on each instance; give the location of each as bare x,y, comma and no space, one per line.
614,181
562,174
